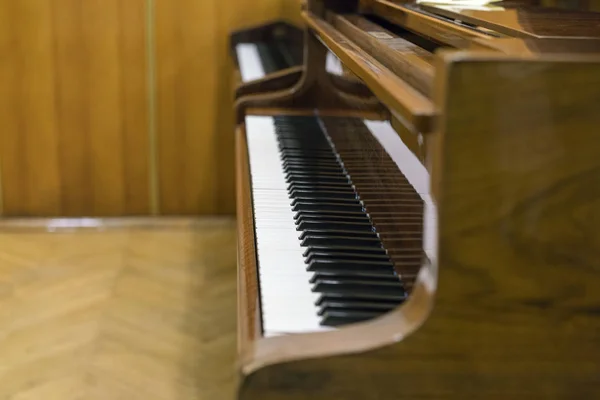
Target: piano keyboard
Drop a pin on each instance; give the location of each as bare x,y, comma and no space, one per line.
256,60
251,65
322,261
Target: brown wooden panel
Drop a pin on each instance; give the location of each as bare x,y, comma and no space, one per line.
186,107
134,103
29,136
74,107
74,97
194,101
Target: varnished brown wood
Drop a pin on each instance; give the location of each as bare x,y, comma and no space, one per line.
73,99
403,100
313,91
405,59
506,307
77,105
185,122
520,19
248,313
440,31
276,81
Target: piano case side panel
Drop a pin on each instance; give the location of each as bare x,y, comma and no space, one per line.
517,310
249,325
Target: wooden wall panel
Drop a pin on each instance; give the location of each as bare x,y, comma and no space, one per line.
194,103
118,107
186,105
73,95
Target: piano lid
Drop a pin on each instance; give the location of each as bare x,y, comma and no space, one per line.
516,18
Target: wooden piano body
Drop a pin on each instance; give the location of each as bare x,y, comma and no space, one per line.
502,106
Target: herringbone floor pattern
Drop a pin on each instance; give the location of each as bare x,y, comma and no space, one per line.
129,313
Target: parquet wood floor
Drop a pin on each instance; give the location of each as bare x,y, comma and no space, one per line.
140,312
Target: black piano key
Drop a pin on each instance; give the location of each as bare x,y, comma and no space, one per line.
353,311
311,164
390,279
323,194
333,300
334,225
330,200
313,170
346,234
358,219
321,179
293,175
306,184
297,158
349,265
387,274
334,318
307,188
332,215
309,155
303,206
324,255
350,310
358,288
295,170
307,145
319,249
327,240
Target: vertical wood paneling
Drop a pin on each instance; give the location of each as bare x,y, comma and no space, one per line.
74,115
29,162
76,95
186,105
72,99
195,119
134,105
291,11
10,142
101,33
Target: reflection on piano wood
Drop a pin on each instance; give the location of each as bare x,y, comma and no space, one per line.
418,202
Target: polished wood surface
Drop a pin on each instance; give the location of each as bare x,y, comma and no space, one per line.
315,90
141,309
73,108
507,308
396,94
119,107
248,312
407,60
441,31
521,19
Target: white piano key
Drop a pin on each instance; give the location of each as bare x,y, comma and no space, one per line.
333,64
251,67
287,299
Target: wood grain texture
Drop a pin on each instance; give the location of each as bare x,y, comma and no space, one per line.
194,94
248,313
125,313
73,90
516,311
77,127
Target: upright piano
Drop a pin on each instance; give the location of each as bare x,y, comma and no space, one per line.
418,201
